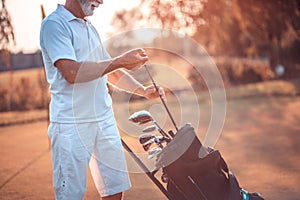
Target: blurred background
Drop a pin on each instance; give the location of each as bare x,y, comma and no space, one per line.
254,44
250,42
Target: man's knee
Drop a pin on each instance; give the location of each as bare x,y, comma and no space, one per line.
117,196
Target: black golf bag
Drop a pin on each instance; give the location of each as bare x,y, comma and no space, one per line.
190,177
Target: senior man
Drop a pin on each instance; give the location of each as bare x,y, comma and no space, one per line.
82,128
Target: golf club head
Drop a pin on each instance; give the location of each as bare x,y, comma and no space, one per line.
147,145
141,117
159,139
144,138
150,128
171,133
148,139
154,152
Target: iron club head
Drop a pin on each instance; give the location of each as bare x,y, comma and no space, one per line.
154,152
144,138
141,117
156,140
150,128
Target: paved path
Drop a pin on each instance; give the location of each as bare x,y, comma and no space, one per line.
25,167
260,144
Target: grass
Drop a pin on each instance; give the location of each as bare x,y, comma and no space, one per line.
23,90
262,89
18,117
32,74
268,88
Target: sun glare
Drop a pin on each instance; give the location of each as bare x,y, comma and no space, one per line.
26,19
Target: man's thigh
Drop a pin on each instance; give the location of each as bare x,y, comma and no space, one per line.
108,164
70,159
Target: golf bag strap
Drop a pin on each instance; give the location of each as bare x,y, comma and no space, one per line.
224,165
234,190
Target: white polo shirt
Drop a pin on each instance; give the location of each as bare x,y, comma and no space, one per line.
63,36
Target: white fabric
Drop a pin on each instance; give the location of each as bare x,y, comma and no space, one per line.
82,129
63,36
71,154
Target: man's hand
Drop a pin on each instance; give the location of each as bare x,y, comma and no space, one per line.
151,93
132,59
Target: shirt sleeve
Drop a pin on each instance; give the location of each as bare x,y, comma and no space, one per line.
57,42
106,54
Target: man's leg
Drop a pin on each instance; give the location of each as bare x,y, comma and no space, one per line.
117,196
108,164
70,160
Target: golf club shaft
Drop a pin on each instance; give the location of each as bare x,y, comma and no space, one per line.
162,132
161,98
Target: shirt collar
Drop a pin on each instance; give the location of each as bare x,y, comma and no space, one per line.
68,15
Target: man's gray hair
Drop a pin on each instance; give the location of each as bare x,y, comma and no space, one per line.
82,1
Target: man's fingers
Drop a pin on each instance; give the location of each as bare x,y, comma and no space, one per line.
140,51
161,92
134,59
142,54
143,58
158,93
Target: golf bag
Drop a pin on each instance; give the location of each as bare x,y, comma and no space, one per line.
190,177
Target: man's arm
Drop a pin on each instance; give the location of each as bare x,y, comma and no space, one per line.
123,80
56,43
76,72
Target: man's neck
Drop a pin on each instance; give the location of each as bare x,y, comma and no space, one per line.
74,7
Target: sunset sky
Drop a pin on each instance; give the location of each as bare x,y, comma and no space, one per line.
26,19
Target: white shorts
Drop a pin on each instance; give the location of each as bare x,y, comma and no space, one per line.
77,146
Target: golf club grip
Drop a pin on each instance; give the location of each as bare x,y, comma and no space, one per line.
161,98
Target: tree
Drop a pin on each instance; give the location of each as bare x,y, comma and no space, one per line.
232,27
270,25
169,14
211,23
7,39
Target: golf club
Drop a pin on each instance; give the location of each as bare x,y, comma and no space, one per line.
154,152
161,98
143,117
146,137
152,128
147,140
147,146
156,140
149,129
171,133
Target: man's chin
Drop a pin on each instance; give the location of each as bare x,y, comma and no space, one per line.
87,10
89,13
